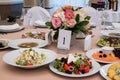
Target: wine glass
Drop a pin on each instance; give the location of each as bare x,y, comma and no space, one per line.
101,18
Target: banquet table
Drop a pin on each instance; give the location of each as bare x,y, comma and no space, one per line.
8,72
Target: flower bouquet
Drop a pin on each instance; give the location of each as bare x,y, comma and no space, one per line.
69,18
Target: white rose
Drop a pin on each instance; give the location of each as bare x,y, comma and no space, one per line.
60,15
82,14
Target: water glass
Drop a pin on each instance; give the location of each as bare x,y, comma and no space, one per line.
101,17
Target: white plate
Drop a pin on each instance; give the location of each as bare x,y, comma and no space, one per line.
12,30
15,43
107,32
95,69
103,71
10,57
91,52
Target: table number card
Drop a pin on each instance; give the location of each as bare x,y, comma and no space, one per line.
64,39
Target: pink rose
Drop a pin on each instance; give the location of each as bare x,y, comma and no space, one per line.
56,22
71,23
69,14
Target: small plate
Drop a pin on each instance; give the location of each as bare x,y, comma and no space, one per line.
95,69
4,43
10,57
14,43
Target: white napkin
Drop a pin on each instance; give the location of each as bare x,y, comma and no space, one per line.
116,25
10,27
40,23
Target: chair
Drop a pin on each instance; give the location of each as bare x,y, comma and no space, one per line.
34,14
94,15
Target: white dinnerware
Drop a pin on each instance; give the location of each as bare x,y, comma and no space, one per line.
95,69
9,58
15,43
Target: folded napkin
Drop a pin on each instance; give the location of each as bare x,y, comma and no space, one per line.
116,25
10,27
39,23
109,27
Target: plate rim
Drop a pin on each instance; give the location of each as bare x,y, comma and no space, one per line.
108,31
44,41
75,75
29,67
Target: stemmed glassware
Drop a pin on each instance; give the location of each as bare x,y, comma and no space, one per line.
101,17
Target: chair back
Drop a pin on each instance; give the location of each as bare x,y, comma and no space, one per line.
34,14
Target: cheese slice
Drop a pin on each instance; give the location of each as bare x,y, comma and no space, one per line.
71,58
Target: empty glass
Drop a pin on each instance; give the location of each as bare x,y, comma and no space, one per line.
101,17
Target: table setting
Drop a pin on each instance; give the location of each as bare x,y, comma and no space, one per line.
43,53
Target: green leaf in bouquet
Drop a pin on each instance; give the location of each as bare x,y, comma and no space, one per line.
87,18
49,24
80,27
77,18
55,37
89,28
83,23
75,30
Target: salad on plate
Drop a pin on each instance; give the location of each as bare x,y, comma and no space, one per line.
109,41
30,57
74,65
35,35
